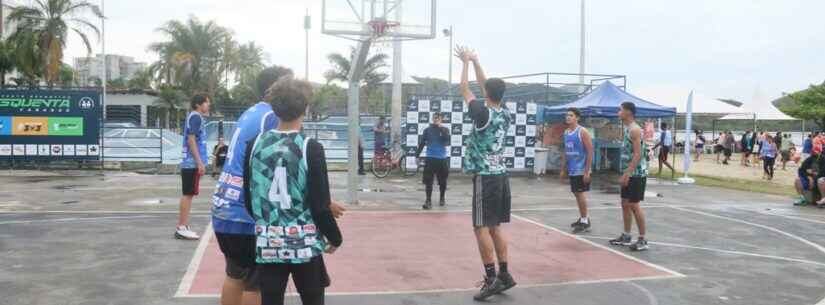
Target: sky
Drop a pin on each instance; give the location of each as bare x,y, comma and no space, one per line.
720,49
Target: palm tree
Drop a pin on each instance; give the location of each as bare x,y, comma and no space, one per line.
142,79
47,23
66,77
23,45
371,78
251,60
194,52
172,100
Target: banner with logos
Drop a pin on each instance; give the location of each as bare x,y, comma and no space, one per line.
50,124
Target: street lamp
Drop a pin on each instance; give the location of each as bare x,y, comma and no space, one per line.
449,33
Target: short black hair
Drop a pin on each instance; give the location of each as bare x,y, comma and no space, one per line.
629,106
289,97
495,88
575,111
197,100
664,125
438,115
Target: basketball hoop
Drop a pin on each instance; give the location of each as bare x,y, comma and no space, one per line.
381,26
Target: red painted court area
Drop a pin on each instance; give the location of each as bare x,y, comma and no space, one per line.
413,252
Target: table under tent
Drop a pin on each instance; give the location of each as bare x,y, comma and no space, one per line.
599,110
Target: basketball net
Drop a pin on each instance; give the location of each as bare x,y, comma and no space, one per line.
379,28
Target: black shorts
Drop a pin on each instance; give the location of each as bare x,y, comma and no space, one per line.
439,168
309,278
190,181
491,200
728,152
635,190
663,152
239,252
577,184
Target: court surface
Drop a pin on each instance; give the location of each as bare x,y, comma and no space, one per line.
85,238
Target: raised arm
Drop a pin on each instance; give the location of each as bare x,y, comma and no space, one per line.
464,86
481,79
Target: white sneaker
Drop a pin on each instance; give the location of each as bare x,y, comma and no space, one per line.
183,232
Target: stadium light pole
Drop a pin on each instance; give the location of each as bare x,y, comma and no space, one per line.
307,26
103,49
449,33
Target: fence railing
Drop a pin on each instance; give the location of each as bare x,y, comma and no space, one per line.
135,144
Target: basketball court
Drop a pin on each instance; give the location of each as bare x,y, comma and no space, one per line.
78,238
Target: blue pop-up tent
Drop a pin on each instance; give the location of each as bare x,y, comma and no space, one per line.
604,102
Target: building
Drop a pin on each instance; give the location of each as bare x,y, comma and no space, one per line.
89,70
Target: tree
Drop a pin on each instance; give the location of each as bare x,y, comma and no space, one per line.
66,77
43,29
251,61
172,100
323,98
141,80
23,45
6,61
193,52
371,78
809,105
255,90
117,84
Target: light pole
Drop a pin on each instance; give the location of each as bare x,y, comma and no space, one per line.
307,26
449,33
581,47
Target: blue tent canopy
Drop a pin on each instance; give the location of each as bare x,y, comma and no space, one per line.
605,101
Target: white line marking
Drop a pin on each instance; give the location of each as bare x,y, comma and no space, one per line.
646,263
650,297
785,216
782,258
805,241
452,290
72,219
194,263
193,213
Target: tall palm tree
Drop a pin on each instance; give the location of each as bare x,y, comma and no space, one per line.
49,22
372,75
194,49
172,100
251,60
23,45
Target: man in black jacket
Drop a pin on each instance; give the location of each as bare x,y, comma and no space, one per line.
436,138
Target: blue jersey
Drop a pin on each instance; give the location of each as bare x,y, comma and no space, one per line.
229,213
437,139
194,126
574,152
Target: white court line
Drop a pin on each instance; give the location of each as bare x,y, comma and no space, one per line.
194,263
781,258
193,213
805,241
453,290
72,219
625,255
785,216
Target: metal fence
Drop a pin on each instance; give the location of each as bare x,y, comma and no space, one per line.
140,144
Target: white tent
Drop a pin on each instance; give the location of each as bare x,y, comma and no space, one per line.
759,108
702,104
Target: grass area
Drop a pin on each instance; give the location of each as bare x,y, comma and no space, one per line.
760,186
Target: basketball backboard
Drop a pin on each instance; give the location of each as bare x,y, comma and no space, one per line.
359,19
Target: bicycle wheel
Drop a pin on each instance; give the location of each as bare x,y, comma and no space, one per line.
407,172
381,167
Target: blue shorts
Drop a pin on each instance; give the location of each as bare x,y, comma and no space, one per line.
806,182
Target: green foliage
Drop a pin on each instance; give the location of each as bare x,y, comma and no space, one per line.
142,80
66,77
117,84
173,100
324,97
373,76
43,31
809,104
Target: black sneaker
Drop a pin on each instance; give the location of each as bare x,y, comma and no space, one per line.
442,202
623,240
582,227
489,287
577,223
640,245
427,205
506,280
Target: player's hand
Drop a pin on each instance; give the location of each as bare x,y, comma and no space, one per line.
337,208
586,178
624,180
330,249
201,169
462,53
563,175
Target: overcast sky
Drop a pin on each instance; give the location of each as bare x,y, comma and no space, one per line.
666,48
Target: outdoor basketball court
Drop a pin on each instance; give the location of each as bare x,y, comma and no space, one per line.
81,238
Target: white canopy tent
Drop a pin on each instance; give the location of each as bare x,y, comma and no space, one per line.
759,109
702,104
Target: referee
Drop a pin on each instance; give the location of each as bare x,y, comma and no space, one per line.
436,138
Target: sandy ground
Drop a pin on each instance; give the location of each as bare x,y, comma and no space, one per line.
707,166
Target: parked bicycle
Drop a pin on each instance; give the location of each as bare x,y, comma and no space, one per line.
395,158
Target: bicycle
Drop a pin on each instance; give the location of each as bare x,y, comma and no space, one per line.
385,161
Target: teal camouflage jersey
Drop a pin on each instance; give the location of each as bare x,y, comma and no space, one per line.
285,230
485,146
627,153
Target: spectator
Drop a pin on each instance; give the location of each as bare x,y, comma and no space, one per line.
700,145
380,132
807,146
665,145
745,142
718,146
729,145
768,154
806,174
219,152
785,149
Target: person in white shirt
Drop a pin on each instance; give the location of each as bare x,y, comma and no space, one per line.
666,145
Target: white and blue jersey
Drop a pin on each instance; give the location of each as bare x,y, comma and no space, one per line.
229,213
574,152
194,126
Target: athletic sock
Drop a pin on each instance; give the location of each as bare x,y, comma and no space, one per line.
584,220
502,267
490,270
626,233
